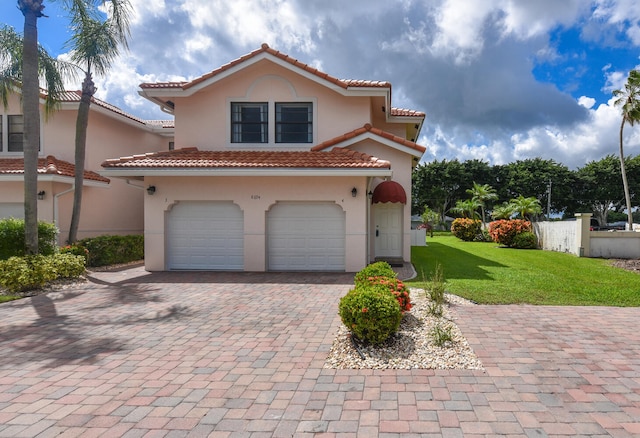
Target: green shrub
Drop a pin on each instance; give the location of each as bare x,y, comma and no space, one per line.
466,229
371,313
504,231
75,249
526,240
12,243
31,272
110,250
377,269
435,292
397,288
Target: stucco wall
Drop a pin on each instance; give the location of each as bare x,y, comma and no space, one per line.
255,196
203,119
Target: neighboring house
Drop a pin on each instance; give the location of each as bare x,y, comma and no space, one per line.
108,206
277,167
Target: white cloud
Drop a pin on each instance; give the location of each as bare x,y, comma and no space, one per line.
586,102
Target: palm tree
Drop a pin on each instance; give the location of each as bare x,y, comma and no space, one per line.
503,211
32,10
467,208
629,100
13,77
526,207
482,194
95,45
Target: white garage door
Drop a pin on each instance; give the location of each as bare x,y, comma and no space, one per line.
205,236
12,209
306,237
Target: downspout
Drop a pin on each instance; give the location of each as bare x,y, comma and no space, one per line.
55,202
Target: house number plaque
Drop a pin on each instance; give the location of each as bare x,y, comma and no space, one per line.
255,196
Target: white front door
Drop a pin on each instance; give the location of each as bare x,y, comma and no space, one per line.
388,229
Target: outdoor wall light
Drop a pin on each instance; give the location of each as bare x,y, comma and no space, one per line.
151,190
354,192
41,194
370,194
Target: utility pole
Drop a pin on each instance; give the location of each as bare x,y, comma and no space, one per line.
549,201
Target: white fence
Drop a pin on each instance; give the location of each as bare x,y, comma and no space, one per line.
576,238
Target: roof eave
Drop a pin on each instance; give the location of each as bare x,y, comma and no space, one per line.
138,172
19,177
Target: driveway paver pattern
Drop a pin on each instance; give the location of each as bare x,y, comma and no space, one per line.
179,354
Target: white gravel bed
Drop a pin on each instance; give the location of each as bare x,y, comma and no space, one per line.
412,347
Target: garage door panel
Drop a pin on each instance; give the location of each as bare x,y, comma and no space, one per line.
205,235
306,237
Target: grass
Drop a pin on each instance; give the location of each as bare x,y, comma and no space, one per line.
5,298
489,274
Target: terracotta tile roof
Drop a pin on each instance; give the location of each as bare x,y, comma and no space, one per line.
73,96
47,166
376,131
344,83
402,112
193,158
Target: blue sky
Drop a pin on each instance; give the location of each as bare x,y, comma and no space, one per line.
499,80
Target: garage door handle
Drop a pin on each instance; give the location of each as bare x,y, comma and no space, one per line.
377,233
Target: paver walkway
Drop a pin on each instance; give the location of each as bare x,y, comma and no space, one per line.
218,354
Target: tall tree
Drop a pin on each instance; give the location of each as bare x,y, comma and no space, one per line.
598,185
628,100
482,193
95,44
32,10
437,185
467,208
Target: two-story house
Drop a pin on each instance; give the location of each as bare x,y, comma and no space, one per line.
277,166
109,206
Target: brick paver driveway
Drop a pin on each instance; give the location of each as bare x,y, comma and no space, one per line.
204,354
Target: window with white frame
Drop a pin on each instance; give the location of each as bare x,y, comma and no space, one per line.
294,122
11,133
249,122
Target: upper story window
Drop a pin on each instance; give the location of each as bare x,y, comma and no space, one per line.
294,122
269,122
249,122
11,133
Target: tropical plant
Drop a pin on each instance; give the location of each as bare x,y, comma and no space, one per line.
628,100
95,44
467,208
482,194
526,207
505,231
502,211
25,62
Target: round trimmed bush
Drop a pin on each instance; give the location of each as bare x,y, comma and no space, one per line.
526,240
371,313
377,269
466,229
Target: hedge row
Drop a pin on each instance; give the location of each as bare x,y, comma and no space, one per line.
12,242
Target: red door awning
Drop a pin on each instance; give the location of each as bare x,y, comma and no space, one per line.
389,191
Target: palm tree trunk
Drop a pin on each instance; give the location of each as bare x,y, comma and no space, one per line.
82,122
31,113
625,183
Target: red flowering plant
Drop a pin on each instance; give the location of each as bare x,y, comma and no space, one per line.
505,231
397,288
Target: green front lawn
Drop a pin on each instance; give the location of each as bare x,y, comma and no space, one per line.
489,274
